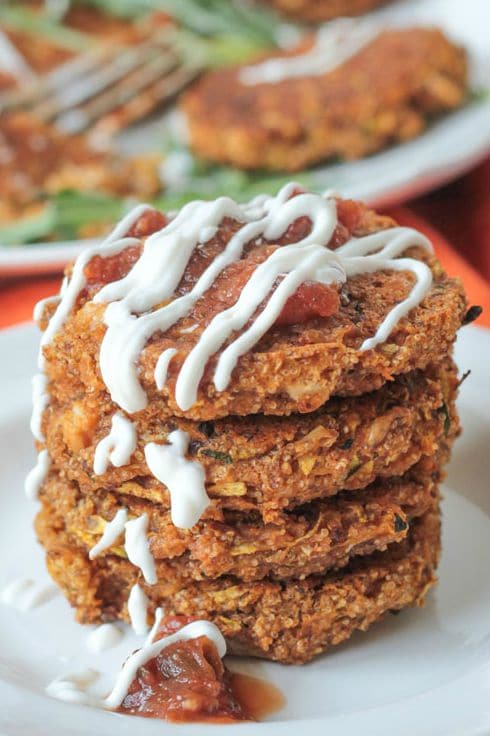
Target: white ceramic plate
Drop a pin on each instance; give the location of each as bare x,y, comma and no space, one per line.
422,673
449,148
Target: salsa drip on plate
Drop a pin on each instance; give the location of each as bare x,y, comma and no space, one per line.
188,681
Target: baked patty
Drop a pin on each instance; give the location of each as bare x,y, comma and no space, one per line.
311,538
38,160
267,464
385,93
289,622
294,367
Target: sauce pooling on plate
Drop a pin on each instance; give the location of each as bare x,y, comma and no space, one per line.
185,680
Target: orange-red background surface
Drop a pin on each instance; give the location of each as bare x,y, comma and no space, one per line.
456,218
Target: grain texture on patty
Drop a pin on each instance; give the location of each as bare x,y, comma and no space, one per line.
294,367
308,539
289,622
266,464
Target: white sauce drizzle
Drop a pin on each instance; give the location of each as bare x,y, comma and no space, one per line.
159,270
176,170
114,243
112,531
153,649
135,542
117,447
189,330
161,267
40,395
310,263
103,637
138,609
161,368
73,688
25,594
335,43
40,400
379,251
36,477
156,623
154,278
138,548
40,306
185,479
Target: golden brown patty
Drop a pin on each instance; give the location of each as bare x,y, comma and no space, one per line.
320,10
386,93
39,160
265,464
293,368
289,622
311,538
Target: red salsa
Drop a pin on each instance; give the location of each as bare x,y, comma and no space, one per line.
100,271
309,301
188,682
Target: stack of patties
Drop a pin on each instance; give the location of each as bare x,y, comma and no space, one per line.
240,424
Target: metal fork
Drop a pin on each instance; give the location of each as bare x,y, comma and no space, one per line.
111,85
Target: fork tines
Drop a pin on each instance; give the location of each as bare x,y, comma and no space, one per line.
103,82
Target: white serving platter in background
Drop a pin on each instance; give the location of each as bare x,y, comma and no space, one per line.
449,148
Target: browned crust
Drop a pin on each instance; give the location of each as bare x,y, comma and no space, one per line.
265,464
39,160
309,539
384,94
288,622
292,369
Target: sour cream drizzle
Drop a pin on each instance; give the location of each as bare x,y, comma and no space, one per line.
112,531
36,477
136,542
114,243
311,262
117,447
25,594
73,688
156,275
40,400
161,368
185,479
156,623
41,305
335,43
103,637
138,609
138,548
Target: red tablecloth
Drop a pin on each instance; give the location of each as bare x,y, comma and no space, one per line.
456,218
